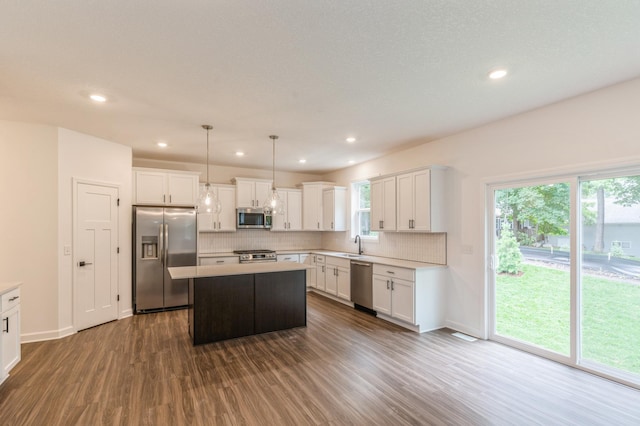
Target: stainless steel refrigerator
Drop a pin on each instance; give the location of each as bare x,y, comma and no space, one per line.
163,237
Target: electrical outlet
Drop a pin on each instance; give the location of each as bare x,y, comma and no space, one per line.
67,250
467,249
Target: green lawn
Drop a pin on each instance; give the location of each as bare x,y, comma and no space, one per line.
534,308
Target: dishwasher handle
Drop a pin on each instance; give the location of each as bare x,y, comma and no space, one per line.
360,264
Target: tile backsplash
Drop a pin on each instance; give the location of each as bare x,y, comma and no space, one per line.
253,239
419,247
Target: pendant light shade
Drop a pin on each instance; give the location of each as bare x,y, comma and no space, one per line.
208,201
274,204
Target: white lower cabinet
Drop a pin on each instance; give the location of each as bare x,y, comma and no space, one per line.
309,260
289,258
411,296
320,272
10,339
338,277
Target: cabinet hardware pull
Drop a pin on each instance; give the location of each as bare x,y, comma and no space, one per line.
14,298
219,261
6,330
392,285
391,272
318,225
164,199
382,224
169,198
387,284
219,226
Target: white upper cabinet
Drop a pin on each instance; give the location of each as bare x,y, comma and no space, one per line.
171,188
225,221
420,202
334,215
383,204
312,205
251,193
291,220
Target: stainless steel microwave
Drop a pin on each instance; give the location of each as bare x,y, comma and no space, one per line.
253,218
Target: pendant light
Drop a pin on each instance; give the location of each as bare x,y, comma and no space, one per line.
208,200
273,204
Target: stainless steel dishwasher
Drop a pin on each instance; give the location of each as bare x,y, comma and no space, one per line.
362,285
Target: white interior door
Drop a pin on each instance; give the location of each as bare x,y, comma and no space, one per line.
95,254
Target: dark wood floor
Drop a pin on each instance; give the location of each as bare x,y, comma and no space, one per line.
345,367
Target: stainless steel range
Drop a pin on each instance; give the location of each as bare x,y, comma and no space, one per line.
251,256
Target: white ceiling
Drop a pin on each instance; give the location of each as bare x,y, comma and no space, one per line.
391,73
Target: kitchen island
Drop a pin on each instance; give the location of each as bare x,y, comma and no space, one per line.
235,300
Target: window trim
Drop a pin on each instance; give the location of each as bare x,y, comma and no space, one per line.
355,210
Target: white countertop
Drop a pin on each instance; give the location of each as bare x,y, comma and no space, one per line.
182,272
5,287
400,263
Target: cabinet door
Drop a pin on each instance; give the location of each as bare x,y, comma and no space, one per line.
227,216
377,205
294,211
389,204
10,339
206,222
262,190
382,294
331,280
279,221
403,300
422,203
182,189
311,272
150,187
295,258
312,207
405,194
328,219
344,283
321,273
245,194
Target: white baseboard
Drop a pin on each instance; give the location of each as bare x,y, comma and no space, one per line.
47,335
126,313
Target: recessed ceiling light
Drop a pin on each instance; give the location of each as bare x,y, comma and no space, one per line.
98,98
351,161
497,74
239,154
351,139
163,144
302,161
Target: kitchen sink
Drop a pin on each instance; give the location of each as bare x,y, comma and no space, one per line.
349,255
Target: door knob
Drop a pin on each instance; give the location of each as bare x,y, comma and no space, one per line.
83,263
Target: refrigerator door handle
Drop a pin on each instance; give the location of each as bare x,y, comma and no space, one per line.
166,244
161,239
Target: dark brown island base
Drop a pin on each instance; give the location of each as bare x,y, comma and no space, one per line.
229,301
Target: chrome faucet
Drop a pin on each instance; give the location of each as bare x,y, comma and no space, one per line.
358,240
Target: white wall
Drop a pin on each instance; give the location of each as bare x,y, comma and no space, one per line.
593,131
28,219
89,158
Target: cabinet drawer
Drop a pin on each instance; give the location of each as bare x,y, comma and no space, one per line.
288,258
219,260
393,271
320,259
10,299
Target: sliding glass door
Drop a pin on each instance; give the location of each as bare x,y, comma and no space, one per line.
531,259
565,270
610,275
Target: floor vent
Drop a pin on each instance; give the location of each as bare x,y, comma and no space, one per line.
464,337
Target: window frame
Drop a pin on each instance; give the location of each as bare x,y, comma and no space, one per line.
356,210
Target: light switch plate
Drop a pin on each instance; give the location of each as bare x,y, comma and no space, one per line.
467,249
67,250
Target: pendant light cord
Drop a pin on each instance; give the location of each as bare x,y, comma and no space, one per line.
207,127
273,168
